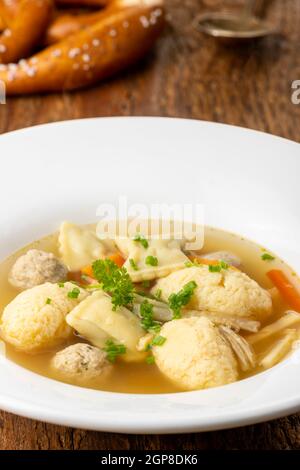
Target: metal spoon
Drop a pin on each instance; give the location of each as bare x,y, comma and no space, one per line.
233,26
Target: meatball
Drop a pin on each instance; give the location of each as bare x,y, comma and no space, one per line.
195,355
81,362
35,268
228,292
35,320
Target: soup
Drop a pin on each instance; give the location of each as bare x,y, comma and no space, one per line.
191,320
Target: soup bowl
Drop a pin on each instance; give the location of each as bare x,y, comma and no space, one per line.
245,182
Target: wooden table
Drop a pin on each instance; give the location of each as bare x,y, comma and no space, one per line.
189,76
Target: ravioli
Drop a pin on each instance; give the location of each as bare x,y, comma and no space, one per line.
79,246
155,259
95,320
186,329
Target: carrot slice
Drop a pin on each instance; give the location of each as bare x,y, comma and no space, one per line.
117,258
286,288
197,259
208,262
76,276
88,271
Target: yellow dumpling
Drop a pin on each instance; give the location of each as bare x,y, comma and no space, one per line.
228,292
35,320
195,355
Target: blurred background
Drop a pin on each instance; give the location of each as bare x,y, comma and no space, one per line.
188,74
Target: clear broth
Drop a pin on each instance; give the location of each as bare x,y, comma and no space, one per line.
144,378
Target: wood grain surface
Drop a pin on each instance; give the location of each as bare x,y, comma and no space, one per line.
190,76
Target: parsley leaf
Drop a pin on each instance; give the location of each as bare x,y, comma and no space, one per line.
182,298
48,301
113,350
115,281
61,284
74,293
147,322
142,240
151,260
133,264
267,257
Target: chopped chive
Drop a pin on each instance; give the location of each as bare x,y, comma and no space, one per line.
93,286
113,350
150,360
182,298
267,257
158,294
224,265
216,268
133,264
147,321
189,264
143,294
146,284
74,293
48,301
151,260
158,340
142,240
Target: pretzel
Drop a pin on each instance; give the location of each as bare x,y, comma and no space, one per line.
8,9
66,24
26,28
119,39
87,3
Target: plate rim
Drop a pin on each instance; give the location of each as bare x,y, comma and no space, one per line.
145,118
290,406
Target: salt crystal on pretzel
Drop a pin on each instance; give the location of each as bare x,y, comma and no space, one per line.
55,69
65,24
26,28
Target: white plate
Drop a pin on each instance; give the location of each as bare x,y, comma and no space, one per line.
248,182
